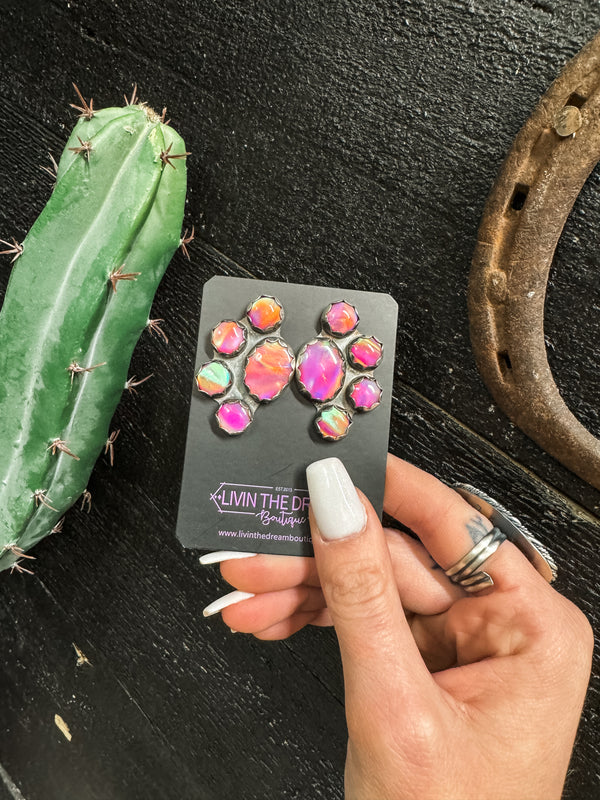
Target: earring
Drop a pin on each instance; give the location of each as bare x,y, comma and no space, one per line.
240,383
334,371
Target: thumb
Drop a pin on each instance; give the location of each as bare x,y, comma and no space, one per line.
378,650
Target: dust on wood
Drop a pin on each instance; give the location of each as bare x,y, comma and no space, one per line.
81,657
62,727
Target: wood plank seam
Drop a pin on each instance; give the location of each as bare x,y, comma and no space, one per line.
575,508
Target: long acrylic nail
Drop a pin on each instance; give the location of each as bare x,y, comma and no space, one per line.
225,601
223,555
336,506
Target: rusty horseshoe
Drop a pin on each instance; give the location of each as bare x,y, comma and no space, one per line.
540,179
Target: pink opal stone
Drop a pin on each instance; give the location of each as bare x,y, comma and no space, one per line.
269,369
333,422
228,337
364,394
214,379
340,318
320,370
265,314
365,352
233,416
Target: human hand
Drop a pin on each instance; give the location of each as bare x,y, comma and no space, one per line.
288,589
459,697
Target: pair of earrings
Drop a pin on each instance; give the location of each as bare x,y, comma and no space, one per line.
333,371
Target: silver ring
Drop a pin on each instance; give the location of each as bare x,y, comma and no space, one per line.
515,531
466,571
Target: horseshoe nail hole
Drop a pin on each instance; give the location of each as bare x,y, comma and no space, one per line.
519,196
504,363
576,100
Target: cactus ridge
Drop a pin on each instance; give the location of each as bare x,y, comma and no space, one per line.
66,335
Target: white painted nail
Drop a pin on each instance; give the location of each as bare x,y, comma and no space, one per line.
225,601
333,499
223,555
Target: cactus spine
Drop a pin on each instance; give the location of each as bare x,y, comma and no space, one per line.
77,301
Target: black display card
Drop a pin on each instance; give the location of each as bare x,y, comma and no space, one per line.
248,491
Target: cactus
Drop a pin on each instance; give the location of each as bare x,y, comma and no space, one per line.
77,301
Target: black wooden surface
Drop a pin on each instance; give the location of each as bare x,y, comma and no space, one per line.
342,143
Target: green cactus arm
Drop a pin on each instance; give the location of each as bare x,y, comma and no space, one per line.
122,206
86,129
56,296
125,319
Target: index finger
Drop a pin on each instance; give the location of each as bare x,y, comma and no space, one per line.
446,524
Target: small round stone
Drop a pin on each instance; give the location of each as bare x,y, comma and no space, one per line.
320,370
340,319
269,369
265,314
229,337
233,416
333,423
365,352
214,379
364,394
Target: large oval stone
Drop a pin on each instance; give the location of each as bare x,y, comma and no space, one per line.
269,369
320,370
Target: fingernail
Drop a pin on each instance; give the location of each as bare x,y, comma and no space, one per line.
233,630
223,555
333,499
227,600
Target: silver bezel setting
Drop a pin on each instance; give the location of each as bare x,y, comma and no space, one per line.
327,327
229,402
288,349
240,349
325,408
218,394
362,409
301,386
272,328
353,363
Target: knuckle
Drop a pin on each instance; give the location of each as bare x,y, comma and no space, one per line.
420,743
428,516
568,639
581,632
357,589
417,738
431,515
